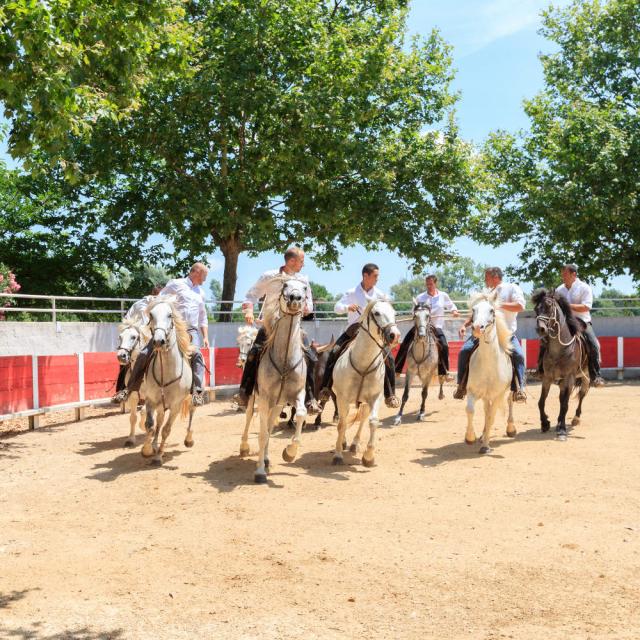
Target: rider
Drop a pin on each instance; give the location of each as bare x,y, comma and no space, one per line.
439,302
190,301
512,302
269,286
580,298
354,302
136,312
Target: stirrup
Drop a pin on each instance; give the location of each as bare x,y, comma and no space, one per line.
392,402
598,381
313,408
241,399
121,396
324,395
459,393
519,396
197,399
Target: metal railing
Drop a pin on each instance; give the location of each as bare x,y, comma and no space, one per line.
55,309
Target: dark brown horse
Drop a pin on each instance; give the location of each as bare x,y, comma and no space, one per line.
565,360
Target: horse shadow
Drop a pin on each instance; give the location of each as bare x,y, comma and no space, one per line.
82,633
7,599
92,448
232,472
319,465
8,450
132,462
453,452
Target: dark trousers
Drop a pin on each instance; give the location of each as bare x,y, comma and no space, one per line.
593,352
443,350
139,368
341,344
250,371
122,374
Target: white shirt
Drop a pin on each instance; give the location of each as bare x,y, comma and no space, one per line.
190,301
358,296
512,294
269,286
439,303
138,310
579,293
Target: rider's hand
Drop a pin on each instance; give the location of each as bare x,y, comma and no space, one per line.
353,308
462,331
249,319
205,342
455,313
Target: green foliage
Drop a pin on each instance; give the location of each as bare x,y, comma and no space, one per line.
67,64
323,300
570,185
614,303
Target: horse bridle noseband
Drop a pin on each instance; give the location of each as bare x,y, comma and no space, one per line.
553,324
486,326
138,340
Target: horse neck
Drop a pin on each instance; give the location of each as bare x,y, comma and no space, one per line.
488,348
364,347
173,356
561,341
421,347
287,338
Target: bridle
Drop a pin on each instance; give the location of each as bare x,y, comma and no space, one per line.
135,344
428,337
489,324
553,324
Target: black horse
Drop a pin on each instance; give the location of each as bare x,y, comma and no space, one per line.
565,360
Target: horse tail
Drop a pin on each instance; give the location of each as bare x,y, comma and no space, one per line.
358,415
185,407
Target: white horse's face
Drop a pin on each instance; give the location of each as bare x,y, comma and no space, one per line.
129,339
421,320
483,317
161,323
384,317
293,295
246,336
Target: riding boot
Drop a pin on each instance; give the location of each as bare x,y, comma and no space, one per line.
401,356
197,385
310,401
137,375
250,370
122,374
463,367
443,352
390,398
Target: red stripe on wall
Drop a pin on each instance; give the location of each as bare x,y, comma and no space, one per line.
100,374
16,384
632,352
57,380
226,370
608,352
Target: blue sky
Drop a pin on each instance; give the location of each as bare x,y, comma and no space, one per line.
496,49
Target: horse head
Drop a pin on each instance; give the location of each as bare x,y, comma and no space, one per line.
162,321
384,319
130,338
483,312
545,309
421,318
246,336
293,296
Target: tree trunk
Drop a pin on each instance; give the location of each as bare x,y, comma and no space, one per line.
230,248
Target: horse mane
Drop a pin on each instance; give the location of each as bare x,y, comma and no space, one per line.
131,322
502,330
367,309
573,323
182,335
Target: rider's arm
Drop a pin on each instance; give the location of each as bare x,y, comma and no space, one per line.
253,297
586,299
204,324
517,302
342,306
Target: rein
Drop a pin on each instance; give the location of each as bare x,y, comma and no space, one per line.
553,324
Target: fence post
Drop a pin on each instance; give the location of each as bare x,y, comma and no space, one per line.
122,312
53,310
80,411
34,421
212,368
620,358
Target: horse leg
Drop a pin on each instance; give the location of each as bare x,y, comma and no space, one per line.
355,443
565,392
148,446
470,436
335,407
244,441
368,457
166,431
425,392
132,403
584,388
188,440
290,452
511,427
265,412
291,422
441,380
545,424
405,396
343,411
490,409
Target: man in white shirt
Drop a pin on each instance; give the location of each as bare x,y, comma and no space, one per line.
580,299
512,302
439,302
353,303
190,302
267,289
136,312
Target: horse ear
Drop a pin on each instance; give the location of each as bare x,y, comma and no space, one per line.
493,297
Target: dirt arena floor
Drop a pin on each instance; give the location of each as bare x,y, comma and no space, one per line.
539,540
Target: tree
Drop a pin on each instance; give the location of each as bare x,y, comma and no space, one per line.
617,303
297,121
323,300
66,64
570,185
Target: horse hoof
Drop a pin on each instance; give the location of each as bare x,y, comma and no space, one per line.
441,396
147,453
337,460
575,422
511,434
129,444
545,427
485,450
345,446
561,436
188,443
286,456
353,448
368,462
421,416
260,478
469,441
396,421
156,462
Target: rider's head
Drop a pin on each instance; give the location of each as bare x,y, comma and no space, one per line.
293,259
431,280
569,274
370,275
492,277
156,289
198,273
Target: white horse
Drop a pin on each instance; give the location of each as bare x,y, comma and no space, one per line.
168,377
422,359
490,369
245,338
358,376
282,371
133,336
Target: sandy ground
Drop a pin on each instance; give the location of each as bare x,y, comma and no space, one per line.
538,540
